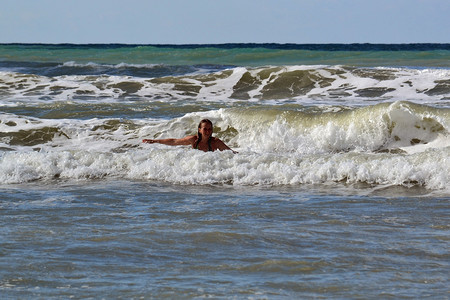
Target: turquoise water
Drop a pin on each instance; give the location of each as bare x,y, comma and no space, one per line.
339,188
419,55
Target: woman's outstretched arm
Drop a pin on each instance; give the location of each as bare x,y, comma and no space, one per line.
188,140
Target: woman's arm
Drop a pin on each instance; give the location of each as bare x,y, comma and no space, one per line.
188,140
218,144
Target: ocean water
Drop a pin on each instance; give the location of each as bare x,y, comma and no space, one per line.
340,187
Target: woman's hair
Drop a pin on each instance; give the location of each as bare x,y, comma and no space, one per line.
204,121
199,135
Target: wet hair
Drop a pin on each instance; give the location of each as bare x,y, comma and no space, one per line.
199,135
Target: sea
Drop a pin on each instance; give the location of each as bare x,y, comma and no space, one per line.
339,188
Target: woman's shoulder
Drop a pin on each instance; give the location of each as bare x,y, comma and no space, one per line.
215,140
218,144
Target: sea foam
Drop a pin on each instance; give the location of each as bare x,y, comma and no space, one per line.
186,166
398,143
282,84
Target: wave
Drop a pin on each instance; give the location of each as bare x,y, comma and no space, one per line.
52,69
398,143
180,166
329,84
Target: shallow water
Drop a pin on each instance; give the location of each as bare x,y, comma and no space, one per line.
131,239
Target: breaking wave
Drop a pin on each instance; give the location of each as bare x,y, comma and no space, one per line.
400,143
329,84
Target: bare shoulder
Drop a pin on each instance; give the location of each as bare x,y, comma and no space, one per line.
217,143
215,140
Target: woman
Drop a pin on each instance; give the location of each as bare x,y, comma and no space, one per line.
202,141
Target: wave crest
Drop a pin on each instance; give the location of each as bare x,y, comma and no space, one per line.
329,84
399,143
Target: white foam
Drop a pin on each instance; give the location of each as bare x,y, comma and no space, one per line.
396,84
275,148
186,166
440,142
368,129
115,66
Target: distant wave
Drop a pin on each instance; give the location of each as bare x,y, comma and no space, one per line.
329,84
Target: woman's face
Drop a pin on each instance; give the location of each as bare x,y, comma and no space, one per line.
205,130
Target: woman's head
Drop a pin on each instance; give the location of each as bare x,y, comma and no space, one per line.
205,128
